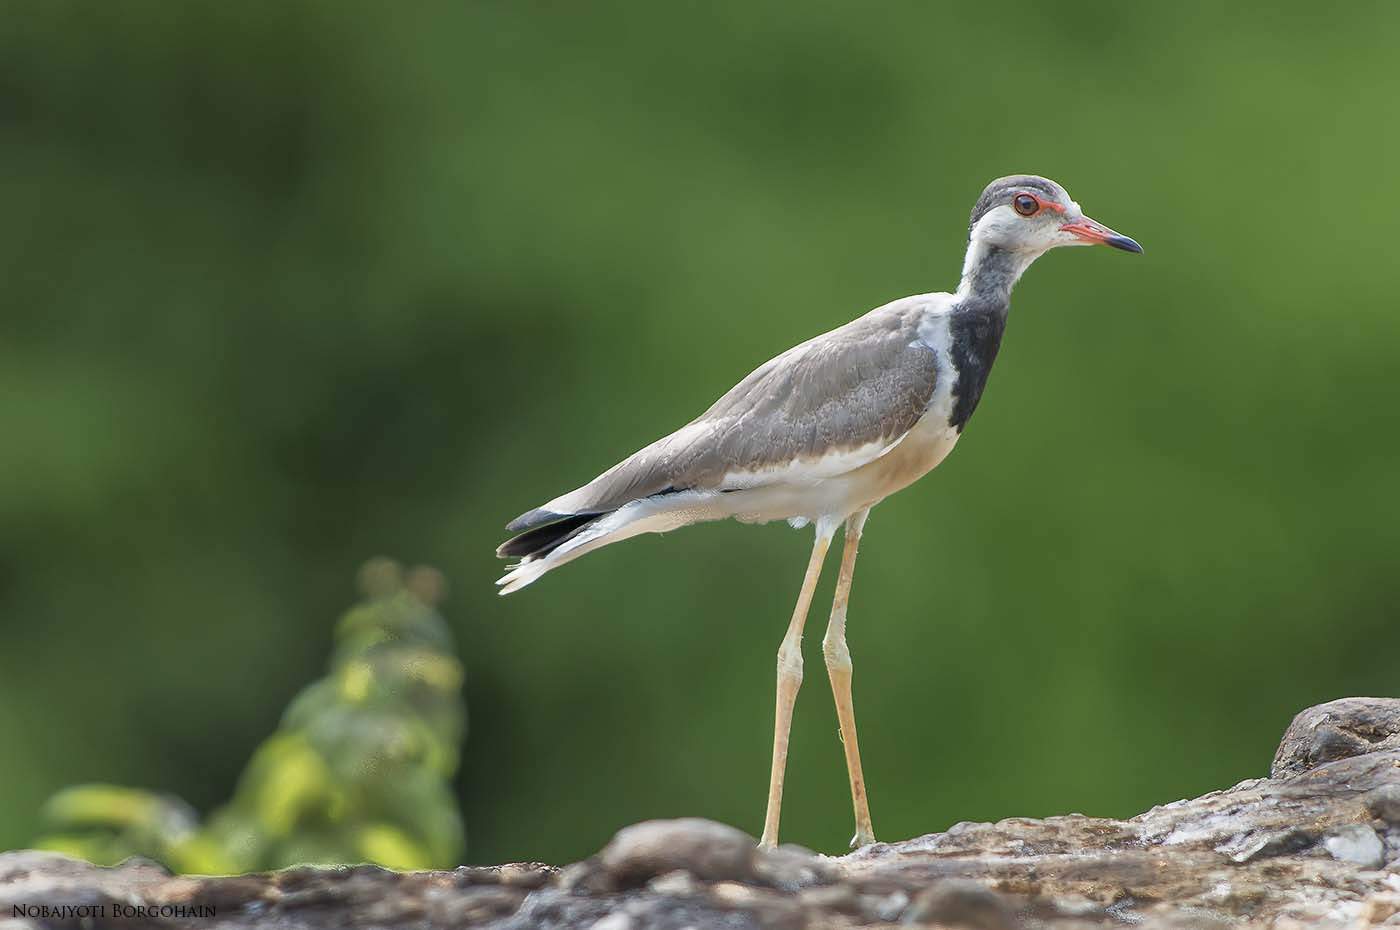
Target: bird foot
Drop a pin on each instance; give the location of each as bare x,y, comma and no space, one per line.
862,839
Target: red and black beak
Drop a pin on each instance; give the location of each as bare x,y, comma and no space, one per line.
1099,234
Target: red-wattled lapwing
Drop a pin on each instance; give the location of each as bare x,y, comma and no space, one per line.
821,434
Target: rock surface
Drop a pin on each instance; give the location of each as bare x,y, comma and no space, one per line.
1315,845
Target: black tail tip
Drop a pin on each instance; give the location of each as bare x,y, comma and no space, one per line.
533,518
543,539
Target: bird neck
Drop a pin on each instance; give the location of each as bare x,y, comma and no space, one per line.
989,272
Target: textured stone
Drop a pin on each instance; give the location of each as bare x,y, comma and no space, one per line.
963,903
1384,803
1297,851
707,850
1356,843
1337,730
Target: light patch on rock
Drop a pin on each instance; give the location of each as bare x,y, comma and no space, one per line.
1356,843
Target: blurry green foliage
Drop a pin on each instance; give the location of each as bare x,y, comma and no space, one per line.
359,771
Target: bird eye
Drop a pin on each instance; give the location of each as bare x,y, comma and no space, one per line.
1025,204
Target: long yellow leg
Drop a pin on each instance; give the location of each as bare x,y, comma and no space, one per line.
789,680
838,668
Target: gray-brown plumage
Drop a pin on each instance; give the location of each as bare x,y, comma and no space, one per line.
867,382
821,434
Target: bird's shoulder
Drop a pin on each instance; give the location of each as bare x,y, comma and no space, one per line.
874,349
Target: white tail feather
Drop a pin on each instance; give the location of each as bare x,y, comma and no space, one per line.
650,515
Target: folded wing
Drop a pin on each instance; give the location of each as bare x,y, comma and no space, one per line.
820,409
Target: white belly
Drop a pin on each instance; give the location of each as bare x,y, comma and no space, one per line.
839,496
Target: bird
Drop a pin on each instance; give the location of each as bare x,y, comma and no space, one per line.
819,435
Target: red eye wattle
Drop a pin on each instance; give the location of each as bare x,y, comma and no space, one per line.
1025,204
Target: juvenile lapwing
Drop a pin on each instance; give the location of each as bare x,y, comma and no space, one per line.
821,434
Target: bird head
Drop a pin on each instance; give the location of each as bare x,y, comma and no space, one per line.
1030,214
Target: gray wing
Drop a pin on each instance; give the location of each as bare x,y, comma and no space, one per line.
825,406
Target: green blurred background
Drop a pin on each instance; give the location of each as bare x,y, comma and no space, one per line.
289,285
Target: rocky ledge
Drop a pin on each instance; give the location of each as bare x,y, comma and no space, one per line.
1317,844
